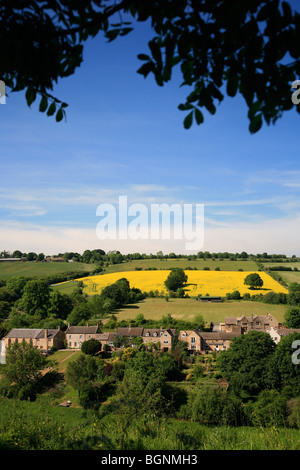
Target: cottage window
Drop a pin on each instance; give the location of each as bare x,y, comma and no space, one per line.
147,334
193,340
154,334
166,342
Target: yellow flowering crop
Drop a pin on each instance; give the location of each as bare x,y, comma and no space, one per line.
214,283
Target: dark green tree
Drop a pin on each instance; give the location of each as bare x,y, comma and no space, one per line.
176,279
246,363
223,47
80,314
81,371
294,293
253,280
22,370
91,347
292,317
282,370
36,298
17,284
60,305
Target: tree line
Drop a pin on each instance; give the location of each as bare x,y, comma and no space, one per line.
115,257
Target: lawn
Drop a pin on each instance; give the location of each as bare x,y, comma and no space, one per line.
290,276
40,268
224,265
187,309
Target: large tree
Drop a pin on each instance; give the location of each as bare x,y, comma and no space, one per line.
36,298
176,279
22,370
246,362
231,47
253,280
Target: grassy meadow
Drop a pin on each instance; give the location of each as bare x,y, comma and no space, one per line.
187,309
223,264
40,268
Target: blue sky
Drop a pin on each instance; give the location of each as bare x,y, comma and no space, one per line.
124,135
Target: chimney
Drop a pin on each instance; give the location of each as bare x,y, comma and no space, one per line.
45,333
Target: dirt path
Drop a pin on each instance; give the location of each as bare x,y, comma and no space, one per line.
68,357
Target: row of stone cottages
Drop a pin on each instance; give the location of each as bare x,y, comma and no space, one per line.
218,339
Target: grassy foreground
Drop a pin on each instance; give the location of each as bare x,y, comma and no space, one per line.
41,426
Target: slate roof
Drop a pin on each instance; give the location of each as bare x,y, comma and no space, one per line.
31,333
24,333
207,335
77,330
135,331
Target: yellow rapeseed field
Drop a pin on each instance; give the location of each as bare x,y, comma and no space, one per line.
214,283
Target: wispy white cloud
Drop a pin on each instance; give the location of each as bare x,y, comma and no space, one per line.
279,235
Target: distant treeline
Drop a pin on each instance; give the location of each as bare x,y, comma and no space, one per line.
281,268
114,257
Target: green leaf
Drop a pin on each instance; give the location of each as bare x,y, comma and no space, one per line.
255,123
59,115
112,34
232,84
188,120
125,31
254,108
156,52
143,57
43,104
185,107
198,116
30,96
146,68
51,109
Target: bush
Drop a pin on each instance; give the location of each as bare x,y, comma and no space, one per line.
270,409
91,347
198,371
294,412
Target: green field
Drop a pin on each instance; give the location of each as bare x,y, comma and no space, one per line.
52,422
65,287
40,268
187,309
225,265
290,276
